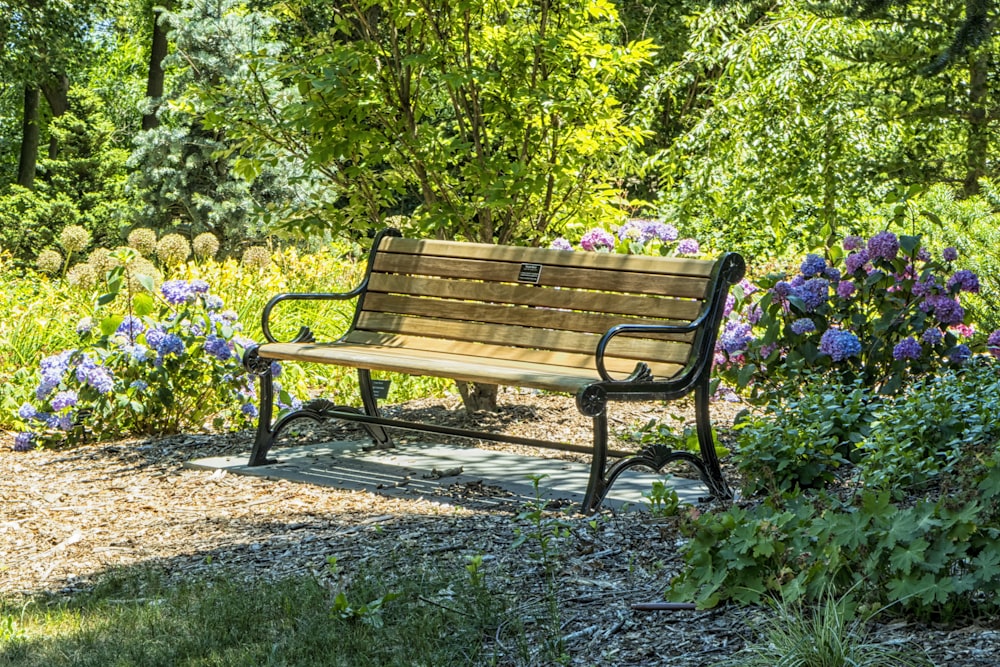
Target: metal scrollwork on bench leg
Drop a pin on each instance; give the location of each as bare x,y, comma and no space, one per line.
261,367
711,471
378,434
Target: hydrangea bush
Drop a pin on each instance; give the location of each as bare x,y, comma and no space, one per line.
170,362
890,311
637,236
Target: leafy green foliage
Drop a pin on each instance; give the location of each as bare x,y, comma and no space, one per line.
488,122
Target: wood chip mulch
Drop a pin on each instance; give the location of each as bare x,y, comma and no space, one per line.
69,516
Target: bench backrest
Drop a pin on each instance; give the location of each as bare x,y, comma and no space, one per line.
532,304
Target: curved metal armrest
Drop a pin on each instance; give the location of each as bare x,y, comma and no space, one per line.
304,335
641,372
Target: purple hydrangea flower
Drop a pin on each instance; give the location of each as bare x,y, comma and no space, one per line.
803,325
947,311
832,274
98,377
155,336
949,254
218,348
932,336
755,313
177,292
250,410
27,411
275,369
908,348
199,286
52,370
993,343
782,288
561,244
735,336
960,354
23,442
597,239
853,242
730,304
856,261
924,255
839,344
812,265
688,247
884,245
846,289
653,229
923,288
814,293
964,281
130,327
64,400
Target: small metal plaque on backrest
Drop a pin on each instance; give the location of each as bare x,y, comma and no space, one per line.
381,389
530,273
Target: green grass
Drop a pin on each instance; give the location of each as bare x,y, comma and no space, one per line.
434,617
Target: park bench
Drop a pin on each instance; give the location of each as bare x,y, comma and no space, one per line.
601,326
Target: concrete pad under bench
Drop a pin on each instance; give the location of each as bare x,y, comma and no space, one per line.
447,473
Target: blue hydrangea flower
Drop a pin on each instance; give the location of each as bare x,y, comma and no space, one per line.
688,247
839,344
250,410
832,274
908,348
654,229
964,281
597,239
932,336
130,327
171,344
275,369
23,442
813,292
812,265
230,315
213,302
884,245
63,400
949,254
155,336
52,369
98,377
27,411
177,292
960,354
139,385
735,336
802,326
218,347
782,288
199,286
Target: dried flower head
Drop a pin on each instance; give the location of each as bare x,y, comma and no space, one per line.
142,267
49,261
74,238
143,240
256,257
173,249
82,276
102,261
206,245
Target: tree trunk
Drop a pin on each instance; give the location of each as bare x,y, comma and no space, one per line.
29,138
478,397
56,92
978,142
155,77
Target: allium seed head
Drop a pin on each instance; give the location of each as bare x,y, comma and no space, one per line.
143,240
49,261
74,238
206,245
256,257
82,276
173,249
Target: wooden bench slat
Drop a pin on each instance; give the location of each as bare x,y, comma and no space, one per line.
546,318
551,276
666,308
550,339
680,266
497,353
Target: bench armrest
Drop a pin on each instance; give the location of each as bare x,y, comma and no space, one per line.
641,371
304,335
